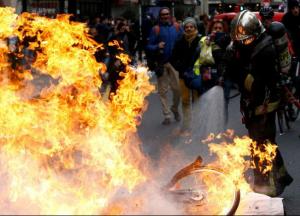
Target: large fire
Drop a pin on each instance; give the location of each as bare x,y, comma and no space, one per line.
64,150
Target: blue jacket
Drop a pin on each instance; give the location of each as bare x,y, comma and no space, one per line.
168,33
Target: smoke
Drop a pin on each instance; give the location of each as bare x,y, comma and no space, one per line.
10,202
178,151
208,117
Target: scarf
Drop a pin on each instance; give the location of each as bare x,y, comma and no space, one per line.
189,37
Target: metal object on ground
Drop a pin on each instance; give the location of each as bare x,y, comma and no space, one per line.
198,189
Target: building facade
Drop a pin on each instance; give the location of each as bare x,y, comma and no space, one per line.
108,8
130,8
52,7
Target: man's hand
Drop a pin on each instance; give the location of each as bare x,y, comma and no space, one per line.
161,45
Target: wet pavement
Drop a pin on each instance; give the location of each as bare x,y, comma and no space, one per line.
163,145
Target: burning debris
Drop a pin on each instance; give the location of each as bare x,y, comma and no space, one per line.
233,155
63,150
215,188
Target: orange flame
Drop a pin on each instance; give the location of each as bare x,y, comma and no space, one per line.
266,153
63,150
234,160
116,44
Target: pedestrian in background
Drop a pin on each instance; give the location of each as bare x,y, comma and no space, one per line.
185,53
203,24
161,43
220,39
291,21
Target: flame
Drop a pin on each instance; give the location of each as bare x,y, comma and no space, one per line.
115,43
64,150
265,153
233,159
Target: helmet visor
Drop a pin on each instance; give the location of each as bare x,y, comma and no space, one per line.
242,37
246,27
248,40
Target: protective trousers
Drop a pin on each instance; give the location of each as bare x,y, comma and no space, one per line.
262,128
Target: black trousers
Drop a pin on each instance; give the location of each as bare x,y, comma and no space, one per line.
262,128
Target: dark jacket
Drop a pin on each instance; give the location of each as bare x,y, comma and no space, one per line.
219,53
259,72
292,24
185,55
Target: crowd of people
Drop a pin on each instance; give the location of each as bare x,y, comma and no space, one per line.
190,57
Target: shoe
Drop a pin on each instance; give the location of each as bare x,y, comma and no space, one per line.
176,115
185,132
167,121
266,189
274,191
283,182
286,180
292,114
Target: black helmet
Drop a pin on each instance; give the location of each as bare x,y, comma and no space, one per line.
246,27
266,12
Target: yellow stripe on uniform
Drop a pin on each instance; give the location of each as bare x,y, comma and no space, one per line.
248,82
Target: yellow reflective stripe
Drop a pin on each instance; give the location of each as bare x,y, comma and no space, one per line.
263,109
197,67
197,63
248,82
203,39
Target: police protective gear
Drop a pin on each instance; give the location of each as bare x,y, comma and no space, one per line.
246,27
266,12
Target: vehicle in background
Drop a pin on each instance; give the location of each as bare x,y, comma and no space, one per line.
229,16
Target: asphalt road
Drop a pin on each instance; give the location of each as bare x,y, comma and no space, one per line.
170,152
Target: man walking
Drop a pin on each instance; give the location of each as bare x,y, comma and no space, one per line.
291,21
161,42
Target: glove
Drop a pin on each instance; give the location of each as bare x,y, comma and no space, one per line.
220,81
